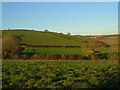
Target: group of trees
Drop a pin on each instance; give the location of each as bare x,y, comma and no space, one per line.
11,49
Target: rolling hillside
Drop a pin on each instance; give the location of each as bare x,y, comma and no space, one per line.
57,43
39,38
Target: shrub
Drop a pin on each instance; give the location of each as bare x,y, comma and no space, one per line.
25,56
51,57
38,56
10,45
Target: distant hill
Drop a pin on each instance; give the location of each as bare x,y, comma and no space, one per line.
41,38
97,35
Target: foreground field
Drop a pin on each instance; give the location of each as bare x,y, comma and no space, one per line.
60,74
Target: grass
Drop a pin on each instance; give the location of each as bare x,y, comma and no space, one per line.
58,39
47,38
113,42
53,50
65,50
60,74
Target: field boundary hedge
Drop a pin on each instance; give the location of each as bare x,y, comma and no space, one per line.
25,45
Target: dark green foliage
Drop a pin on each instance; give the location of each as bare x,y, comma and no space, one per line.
60,74
102,56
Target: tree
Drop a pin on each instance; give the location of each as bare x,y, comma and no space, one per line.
46,30
93,46
68,33
10,46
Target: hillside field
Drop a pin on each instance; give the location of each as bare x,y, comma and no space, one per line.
40,38
53,50
46,38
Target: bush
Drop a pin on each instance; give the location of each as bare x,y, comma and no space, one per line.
113,56
38,56
25,56
51,57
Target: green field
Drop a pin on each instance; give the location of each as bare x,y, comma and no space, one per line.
40,38
60,74
53,50
47,38
65,50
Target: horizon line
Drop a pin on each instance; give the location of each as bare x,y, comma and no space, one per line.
60,32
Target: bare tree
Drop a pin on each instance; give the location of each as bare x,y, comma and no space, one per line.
10,45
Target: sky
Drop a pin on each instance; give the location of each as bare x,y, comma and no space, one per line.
78,18
60,0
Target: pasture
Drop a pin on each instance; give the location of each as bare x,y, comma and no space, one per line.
46,38
40,38
53,50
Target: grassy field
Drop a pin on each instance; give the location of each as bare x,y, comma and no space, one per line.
113,42
41,38
53,50
60,74
47,38
64,50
